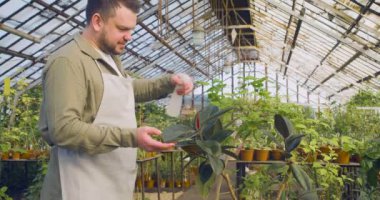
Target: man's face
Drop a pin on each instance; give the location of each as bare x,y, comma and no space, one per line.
117,31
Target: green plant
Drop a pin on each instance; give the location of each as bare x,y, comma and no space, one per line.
203,140
259,184
370,168
284,127
33,191
3,194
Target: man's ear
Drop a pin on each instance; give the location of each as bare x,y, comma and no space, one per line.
97,22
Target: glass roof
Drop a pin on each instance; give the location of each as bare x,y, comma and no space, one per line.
322,50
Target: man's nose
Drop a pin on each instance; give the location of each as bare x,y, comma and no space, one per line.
128,36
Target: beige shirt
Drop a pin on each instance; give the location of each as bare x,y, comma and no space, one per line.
72,93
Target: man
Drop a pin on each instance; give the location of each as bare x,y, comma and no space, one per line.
88,112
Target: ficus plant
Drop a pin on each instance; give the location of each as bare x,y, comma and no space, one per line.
203,140
292,140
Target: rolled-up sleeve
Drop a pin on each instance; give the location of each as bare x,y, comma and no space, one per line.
151,89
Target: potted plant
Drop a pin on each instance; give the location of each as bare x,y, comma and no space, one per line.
247,153
203,140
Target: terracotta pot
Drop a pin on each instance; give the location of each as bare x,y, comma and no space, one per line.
261,154
16,155
5,156
277,154
138,183
149,184
186,183
246,155
171,183
178,183
307,157
28,155
323,150
343,157
311,157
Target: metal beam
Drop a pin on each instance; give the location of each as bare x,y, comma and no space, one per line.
16,54
19,33
357,47
170,48
299,23
191,46
342,16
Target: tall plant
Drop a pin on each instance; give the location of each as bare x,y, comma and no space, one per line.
203,140
284,127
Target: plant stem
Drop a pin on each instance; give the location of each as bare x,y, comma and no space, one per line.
283,184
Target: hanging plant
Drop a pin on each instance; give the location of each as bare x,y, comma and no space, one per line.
203,140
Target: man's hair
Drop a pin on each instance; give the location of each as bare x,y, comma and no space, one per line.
107,8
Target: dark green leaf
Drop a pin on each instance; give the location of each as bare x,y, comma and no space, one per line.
193,149
299,176
283,125
283,195
216,164
308,180
292,142
210,115
177,132
205,113
372,177
185,143
210,147
309,195
205,172
221,135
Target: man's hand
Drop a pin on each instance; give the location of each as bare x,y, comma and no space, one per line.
185,86
146,142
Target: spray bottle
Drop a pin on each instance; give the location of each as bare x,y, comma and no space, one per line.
173,109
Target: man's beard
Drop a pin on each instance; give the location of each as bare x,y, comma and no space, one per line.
106,46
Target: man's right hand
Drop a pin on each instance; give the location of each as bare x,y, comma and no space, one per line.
146,142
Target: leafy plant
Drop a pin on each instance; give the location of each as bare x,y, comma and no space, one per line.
203,140
370,168
3,194
284,127
259,184
34,190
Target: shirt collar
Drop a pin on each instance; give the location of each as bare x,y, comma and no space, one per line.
87,48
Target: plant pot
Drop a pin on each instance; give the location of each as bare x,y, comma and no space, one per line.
246,155
261,155
323,150
162,183
178,183
171,183
28,155
307,157
277,154
5,156
343,157
138,183
150,184
186,183
16,155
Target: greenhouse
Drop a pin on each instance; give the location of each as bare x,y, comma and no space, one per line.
189,99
